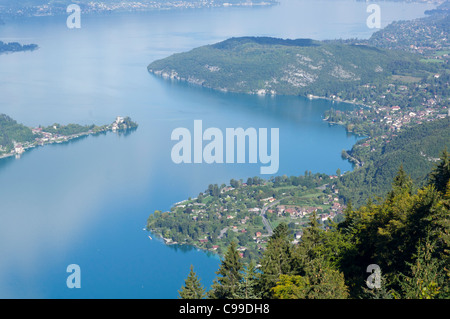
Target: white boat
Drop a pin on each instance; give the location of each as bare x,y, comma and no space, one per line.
149,237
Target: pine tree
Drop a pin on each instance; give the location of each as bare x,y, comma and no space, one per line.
378,293
277,259
426,276
311,240
248,286
324,281
192,288
441,232
402,184
230,275
440,176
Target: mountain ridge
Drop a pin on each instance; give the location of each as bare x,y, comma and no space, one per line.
264,65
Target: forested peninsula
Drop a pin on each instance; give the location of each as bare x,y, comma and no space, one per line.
16,138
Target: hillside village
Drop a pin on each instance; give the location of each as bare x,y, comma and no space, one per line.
212,220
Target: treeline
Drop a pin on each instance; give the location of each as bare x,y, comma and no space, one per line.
246,65
405,239
414,149
69,129
11,131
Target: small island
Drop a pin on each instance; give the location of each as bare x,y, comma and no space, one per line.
16,47
16,138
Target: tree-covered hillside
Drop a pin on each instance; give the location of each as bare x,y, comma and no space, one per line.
416,149
399,248
298,67
11,131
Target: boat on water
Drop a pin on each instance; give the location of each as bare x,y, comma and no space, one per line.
149,237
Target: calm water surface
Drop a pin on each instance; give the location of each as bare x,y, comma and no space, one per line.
87,201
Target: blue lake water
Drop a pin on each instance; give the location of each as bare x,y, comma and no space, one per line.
86,202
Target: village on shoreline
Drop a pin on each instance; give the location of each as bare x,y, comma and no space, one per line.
56,134
248,212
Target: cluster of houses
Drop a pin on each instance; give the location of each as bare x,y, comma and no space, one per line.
298,212
17,150
396,119
328,209
41,139
46,137
294,211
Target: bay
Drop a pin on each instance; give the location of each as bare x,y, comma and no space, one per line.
86,202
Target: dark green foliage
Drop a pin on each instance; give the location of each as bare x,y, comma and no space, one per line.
11,131
294,67
413,149
389,234
226,286
407,235
234,43
441,174
192,288
277,260
68,129
426,278
248,286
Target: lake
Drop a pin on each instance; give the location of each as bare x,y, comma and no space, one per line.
86,202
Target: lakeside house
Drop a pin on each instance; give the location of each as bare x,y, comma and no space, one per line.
18,149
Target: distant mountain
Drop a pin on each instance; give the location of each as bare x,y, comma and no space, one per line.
58,7
262,65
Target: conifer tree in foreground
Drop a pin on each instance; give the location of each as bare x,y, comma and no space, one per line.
192,288
406,234
230,275
277,259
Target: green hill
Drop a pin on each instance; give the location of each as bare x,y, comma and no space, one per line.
416,149
11,131
290,67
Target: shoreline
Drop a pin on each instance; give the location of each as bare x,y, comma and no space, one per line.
47,138
66,138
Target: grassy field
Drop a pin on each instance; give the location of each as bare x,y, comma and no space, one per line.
431,60
406,78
